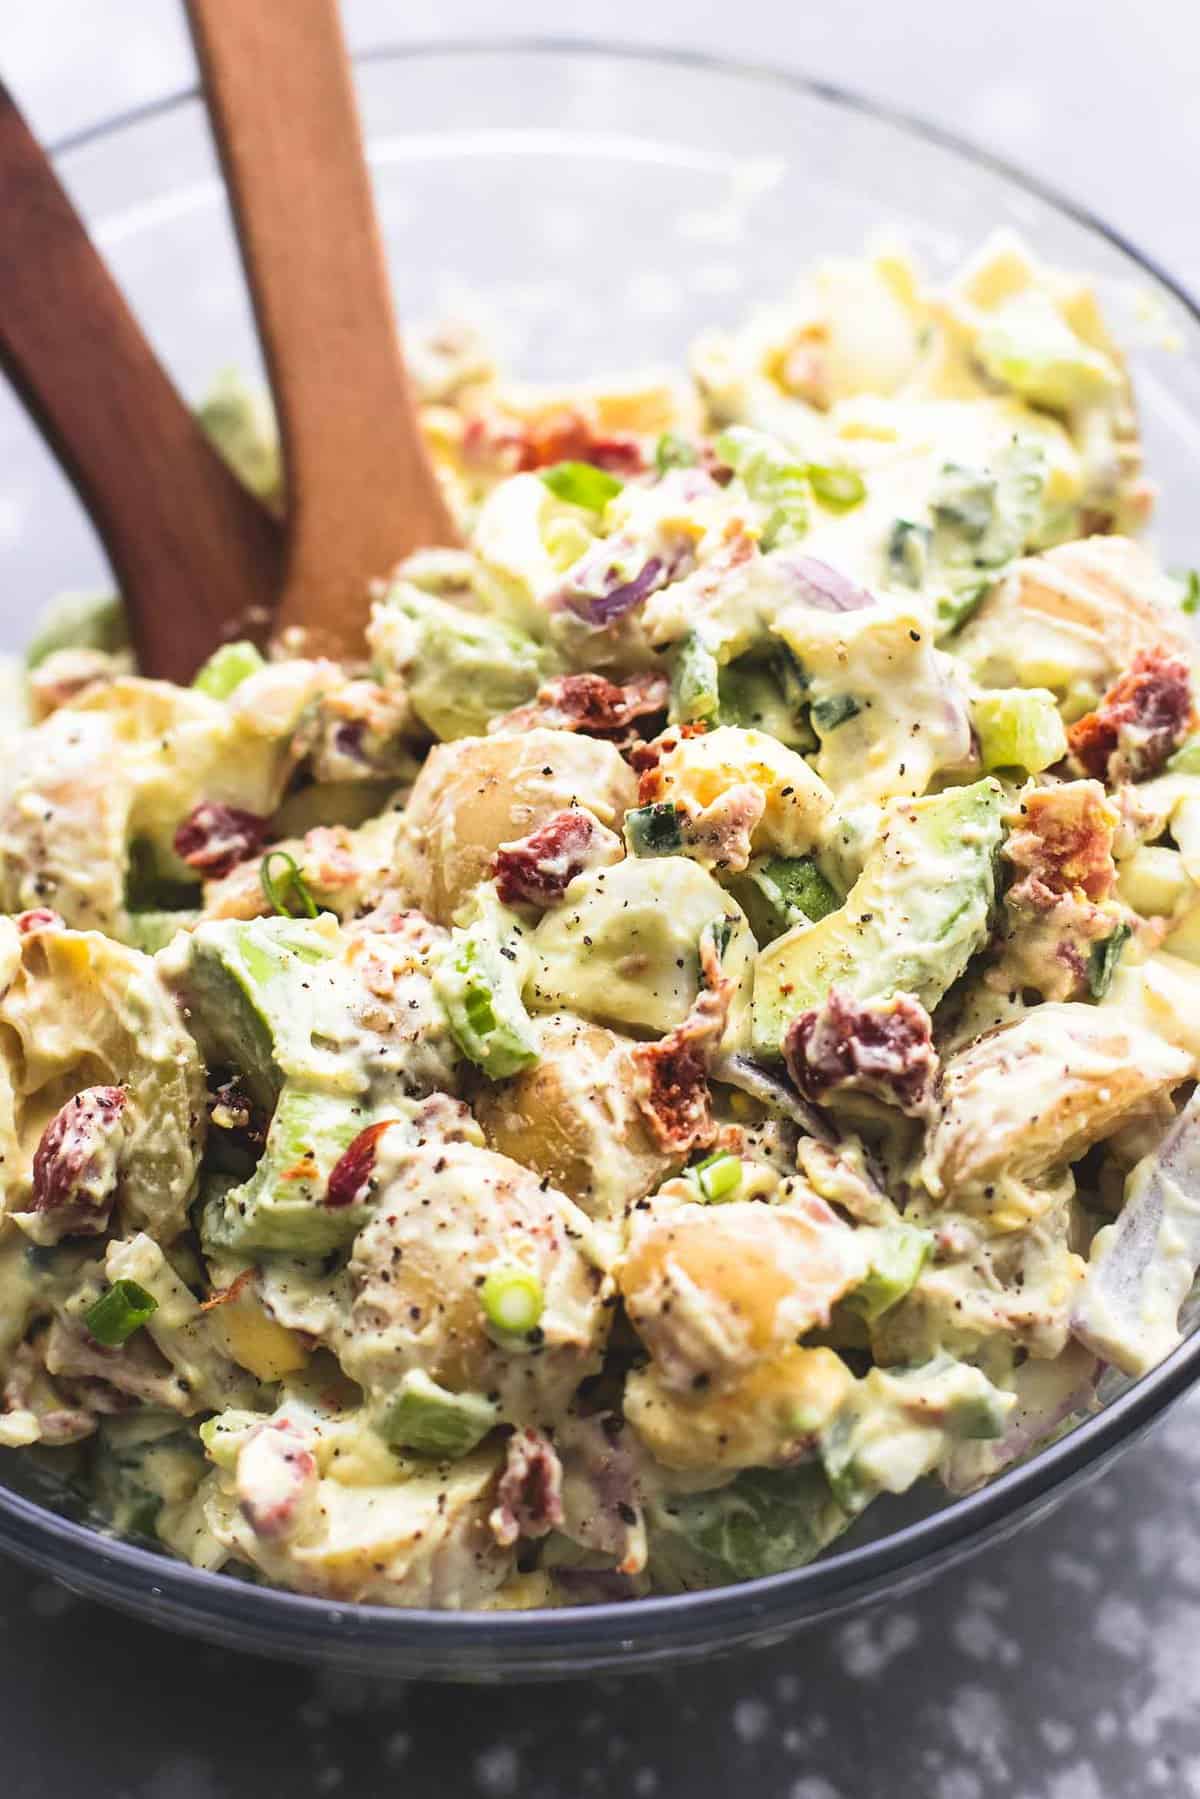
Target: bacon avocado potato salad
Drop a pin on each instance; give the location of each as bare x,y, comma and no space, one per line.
694,1032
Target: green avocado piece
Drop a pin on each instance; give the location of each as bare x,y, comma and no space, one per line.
466,668
777,892
254,998
898,1255
283,1204
765,1521
912,921
423,1416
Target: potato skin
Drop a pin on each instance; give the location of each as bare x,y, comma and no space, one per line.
572,1117
479,792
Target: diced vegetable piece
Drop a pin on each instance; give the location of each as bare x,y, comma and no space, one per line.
252,998
513,1299
763,1522
237,416
152,931
1019,728
838,489
460,669
227,668
1186,760
907,554
654,830
420,1415
695,682
1103,959
147,889
911,923
773,476
477,980
837,709
120,1311
898,1423
1028,345
284,887
582,484
777,892
898,1254
672,451
283,1204
718,1178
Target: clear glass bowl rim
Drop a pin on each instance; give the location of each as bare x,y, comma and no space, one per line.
626,1632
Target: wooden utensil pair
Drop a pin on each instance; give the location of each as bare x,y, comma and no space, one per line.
197,559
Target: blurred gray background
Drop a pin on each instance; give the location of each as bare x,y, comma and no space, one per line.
1064,1665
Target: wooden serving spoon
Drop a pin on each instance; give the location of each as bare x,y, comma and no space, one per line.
361,493
197,558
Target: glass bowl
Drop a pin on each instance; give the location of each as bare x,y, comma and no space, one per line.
594,206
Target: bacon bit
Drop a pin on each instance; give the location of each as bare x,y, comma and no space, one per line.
593,705
214,838
350,1178
529,1494
564,435
537,870
671,1076
234,1291
1065,843
277,1479
847,1045
1143,717
70,1177
40,918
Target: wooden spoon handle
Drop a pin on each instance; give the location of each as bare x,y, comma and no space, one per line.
196,557
361,491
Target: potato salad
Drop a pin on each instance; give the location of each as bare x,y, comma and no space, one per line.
693,1032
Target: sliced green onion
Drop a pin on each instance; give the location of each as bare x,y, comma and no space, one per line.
718,1177
1102,963
227,668
654,830
1189,579
838,489
512,1299
582,484
297,887
119,1312
828,714
673,451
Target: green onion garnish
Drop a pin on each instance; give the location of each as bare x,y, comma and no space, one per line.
119,1312
718,1177
838,489
828,714
582,484
297,887
1102,962
512,1299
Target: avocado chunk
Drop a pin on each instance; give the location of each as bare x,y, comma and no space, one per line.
763,1522
898,1254
462,669
911,923
423,1416
283,1204
258,993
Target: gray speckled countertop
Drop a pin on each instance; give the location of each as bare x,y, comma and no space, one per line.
1064,1664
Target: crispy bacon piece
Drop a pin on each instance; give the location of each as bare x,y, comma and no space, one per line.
1063,843
214,838
277,1479
671,1075
848,1045
350,1178
563,435
537,870
75,1163
1143,717
529,1494
593,705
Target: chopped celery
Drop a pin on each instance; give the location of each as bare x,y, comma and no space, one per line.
898,1254
907,553
672,451
775,479
837,709
227,668
695,681
1019,728
777,892
424,1417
